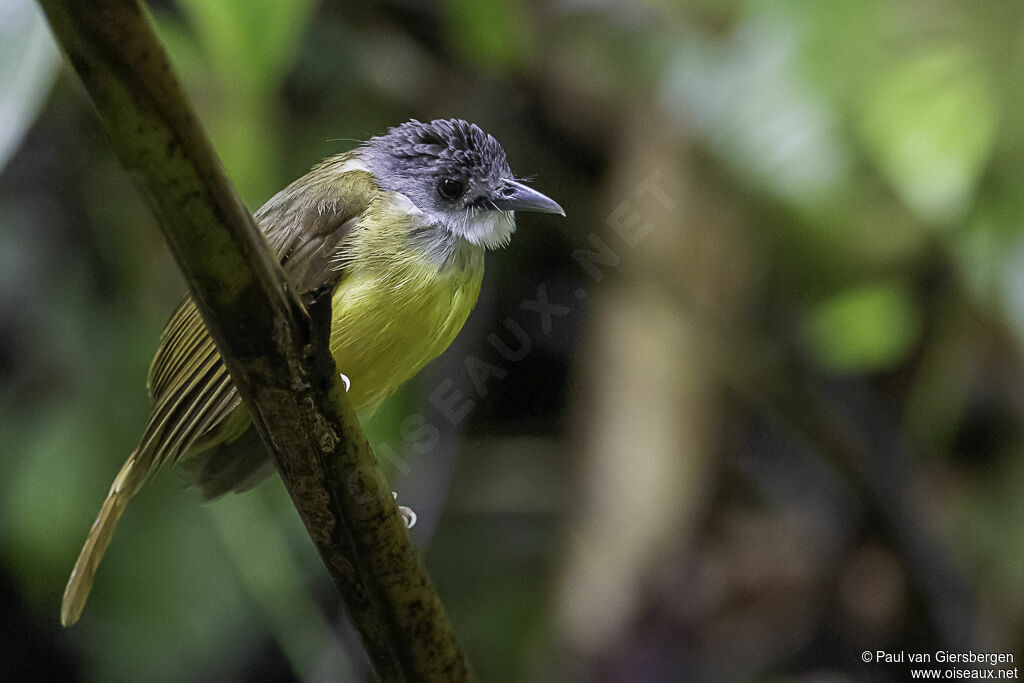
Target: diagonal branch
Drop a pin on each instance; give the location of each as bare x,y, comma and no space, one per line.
277,354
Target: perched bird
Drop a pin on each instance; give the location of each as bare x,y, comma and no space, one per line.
398,228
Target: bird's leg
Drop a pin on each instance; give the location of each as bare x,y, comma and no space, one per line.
407,513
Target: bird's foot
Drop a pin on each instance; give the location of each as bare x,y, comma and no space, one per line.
407,513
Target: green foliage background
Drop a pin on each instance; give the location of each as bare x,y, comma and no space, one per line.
846,219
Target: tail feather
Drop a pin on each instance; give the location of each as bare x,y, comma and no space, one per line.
80,583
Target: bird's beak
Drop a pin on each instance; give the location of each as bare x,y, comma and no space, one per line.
514,196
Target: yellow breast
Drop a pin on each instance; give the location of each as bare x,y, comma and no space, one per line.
393,315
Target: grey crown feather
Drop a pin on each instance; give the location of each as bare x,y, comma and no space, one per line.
449,147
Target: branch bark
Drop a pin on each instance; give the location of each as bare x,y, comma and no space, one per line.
276,351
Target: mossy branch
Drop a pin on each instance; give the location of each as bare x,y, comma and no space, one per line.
276,352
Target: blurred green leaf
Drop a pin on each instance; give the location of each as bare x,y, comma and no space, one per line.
183,49
250,44
746,96
39,527
989,251
866,329
239,53
841,43
255,535
490,33
28,65
167,600
929,125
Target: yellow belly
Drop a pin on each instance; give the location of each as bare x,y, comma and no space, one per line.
384,329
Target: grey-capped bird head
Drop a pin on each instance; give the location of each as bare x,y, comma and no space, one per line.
457,175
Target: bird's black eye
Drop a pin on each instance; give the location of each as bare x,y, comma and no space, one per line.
450,188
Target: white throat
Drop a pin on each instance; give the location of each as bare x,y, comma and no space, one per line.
487,229
441,232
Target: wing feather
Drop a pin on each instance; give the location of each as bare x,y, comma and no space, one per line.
191,389
188,382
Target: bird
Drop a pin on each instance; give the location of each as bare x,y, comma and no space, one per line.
397,228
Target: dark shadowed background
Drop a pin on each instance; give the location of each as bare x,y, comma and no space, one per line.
753,408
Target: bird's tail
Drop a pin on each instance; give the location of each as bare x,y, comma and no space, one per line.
125,485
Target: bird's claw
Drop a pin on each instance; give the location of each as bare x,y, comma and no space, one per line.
407,513
346,380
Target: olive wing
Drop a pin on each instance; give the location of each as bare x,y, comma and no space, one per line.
304,225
